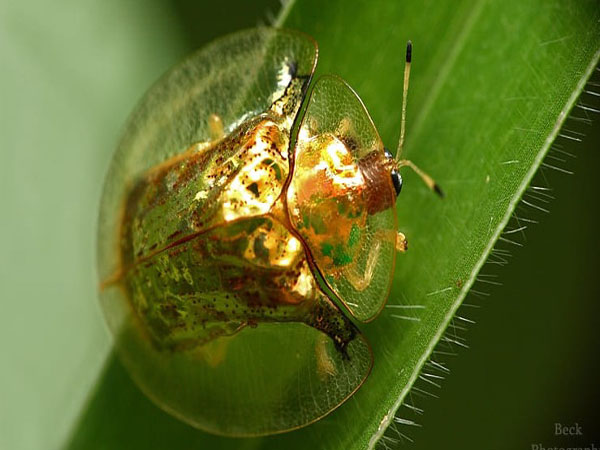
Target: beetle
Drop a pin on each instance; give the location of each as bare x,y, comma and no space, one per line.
245,224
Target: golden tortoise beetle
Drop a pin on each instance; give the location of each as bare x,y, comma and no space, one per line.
237,236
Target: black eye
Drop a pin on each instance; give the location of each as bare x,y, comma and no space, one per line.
396,177
397,180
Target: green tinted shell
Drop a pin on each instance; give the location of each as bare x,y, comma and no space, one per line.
232,256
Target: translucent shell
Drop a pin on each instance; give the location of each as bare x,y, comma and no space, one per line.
209,289
341,198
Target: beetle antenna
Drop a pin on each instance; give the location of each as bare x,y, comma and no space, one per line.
404,97
427,179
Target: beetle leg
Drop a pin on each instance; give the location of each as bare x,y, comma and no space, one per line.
360,281
215,351
401,242
313,126
325,364
345,127
215,123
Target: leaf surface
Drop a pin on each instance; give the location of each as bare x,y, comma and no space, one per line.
491,86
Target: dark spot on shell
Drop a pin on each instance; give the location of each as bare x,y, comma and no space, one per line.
254,189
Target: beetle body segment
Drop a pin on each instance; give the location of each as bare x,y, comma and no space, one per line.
203,255
345,215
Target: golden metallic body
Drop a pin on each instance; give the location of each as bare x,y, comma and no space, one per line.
237,238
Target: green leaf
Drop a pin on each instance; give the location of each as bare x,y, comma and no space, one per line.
492,83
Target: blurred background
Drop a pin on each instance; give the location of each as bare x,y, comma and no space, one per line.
71,73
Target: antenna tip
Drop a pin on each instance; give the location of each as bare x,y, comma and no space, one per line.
438,190
408,51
